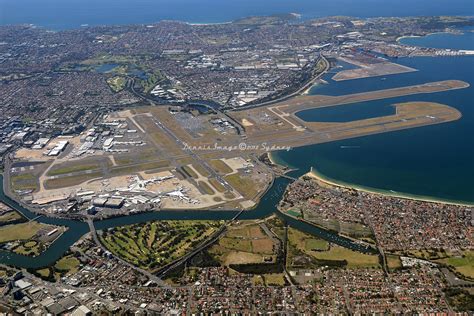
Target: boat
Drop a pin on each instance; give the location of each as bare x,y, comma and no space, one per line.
344,147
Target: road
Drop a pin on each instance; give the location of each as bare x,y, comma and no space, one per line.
283,245
306,86
150,276
196,157
214,238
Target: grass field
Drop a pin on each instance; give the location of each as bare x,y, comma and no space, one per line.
201,170
23,231
316,244
10,216
30,244
256,232
277,226
354,259
394,262
121,160
22,177
24,181
159,137
220,166
229,195
29,248
239,232
306,242
274,279
245,243
321,250
205,188
154,244
143,155
190,172
236,244
355,230
294,212
45,273
68,264
227,257
71,180
264,246
244,185
258,280
217,185
463,264
139,167
71,169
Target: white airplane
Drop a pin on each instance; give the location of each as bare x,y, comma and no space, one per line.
179,195
139,185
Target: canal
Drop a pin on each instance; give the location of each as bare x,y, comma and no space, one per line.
76,229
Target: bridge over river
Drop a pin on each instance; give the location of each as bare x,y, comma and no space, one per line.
76,229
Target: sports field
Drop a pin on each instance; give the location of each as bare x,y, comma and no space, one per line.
154,244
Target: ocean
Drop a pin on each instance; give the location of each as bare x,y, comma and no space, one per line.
67,14
433,161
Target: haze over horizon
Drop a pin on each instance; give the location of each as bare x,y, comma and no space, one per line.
320,164
65,14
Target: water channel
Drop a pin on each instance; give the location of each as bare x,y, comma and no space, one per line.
76,229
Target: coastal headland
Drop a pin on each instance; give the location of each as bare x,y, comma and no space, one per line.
136,168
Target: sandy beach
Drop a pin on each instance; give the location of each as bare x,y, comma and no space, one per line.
415,36
271,158
313,173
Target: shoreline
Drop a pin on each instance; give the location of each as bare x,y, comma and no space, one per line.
272,159
429,34
87,25
283,164
313,173
407,36
327,230
204,23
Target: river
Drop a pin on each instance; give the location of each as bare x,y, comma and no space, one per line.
434,161
76,229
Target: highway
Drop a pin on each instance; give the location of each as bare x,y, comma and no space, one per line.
150,276
214,238
306,86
